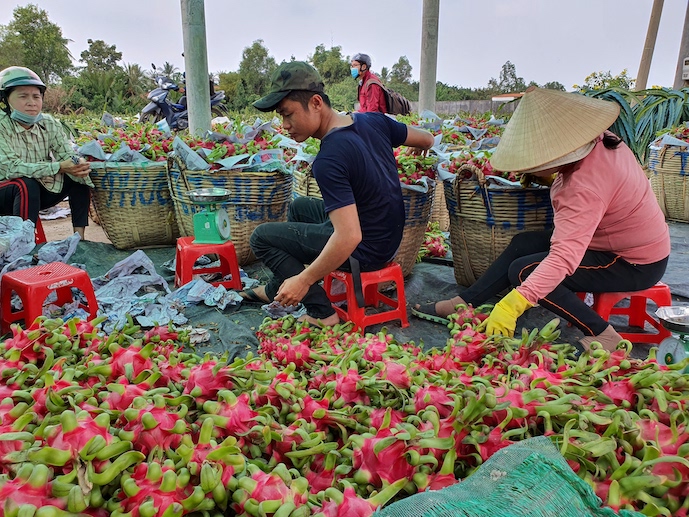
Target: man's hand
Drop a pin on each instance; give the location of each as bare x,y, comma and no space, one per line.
292,291
78,170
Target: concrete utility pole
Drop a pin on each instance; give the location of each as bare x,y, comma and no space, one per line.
196,66
683,52
649,45
429,54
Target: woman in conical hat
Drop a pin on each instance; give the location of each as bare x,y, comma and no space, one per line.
609,232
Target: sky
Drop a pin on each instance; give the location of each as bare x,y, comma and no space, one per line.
546,40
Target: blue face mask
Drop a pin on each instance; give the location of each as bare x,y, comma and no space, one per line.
23,118
354,72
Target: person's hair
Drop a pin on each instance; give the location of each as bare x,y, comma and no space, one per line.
304,96
611,140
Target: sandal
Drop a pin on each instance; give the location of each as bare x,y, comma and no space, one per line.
250,295
427,312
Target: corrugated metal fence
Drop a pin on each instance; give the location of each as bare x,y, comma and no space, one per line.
454,107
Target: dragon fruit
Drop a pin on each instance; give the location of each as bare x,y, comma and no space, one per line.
128,362
80,435
206,380
153,426
436,396
349,504
259,493
156,490
396,373
31,486
232,415
379,459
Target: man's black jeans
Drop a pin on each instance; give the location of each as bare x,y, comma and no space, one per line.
599,272
285,247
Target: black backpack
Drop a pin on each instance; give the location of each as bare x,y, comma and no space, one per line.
396,103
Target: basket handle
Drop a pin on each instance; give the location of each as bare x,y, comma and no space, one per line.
475,171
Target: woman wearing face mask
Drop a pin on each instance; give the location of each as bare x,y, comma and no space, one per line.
371,96
37,164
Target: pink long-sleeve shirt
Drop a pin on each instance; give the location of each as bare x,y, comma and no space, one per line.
603,203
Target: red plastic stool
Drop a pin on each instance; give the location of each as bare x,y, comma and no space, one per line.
39,233
369,285
638,316
33,285
188,253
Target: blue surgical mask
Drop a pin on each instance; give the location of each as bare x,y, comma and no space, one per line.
23,118
354,72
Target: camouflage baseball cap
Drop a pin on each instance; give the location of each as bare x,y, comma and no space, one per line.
294,75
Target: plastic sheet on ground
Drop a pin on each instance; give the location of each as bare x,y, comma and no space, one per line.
16,239
233,328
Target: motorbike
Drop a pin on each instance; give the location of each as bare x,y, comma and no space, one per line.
175,113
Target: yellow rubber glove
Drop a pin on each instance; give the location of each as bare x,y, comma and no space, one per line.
503,317
527,179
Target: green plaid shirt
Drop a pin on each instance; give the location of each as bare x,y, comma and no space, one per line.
35,152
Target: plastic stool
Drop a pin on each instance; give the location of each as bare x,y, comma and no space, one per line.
188,253
638,316
33,285
39,233
370,281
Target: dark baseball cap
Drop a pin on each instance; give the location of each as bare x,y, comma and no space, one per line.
294,75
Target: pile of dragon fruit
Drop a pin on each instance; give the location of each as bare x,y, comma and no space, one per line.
323,422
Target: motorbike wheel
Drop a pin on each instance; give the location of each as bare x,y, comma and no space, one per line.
218,111
151,117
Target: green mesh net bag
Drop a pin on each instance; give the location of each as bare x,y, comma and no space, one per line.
527,479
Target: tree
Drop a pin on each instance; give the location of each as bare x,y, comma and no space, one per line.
255,69
135,80
100,57
509,81
330,64
230,83
384,74
603,80
11,51
554,85
401,71
44,49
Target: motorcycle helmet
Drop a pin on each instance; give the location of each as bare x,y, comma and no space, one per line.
364,59
14,76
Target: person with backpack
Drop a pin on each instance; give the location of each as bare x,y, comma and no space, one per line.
38,168
370,91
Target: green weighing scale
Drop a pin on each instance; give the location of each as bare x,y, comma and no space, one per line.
675,348
212,224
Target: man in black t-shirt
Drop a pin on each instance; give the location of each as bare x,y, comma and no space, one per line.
361,215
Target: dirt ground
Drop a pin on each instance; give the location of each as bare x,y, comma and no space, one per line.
58,229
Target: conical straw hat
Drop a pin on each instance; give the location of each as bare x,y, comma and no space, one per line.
547,125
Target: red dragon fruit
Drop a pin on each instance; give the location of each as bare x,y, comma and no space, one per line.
155,489
233,414
31,486
379,459
153,426
396,373
349,504
206,380
263,494
436,396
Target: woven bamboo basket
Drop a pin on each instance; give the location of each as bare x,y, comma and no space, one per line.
305,184
439,213
668,174
133,205
483,220
255,198
417,211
